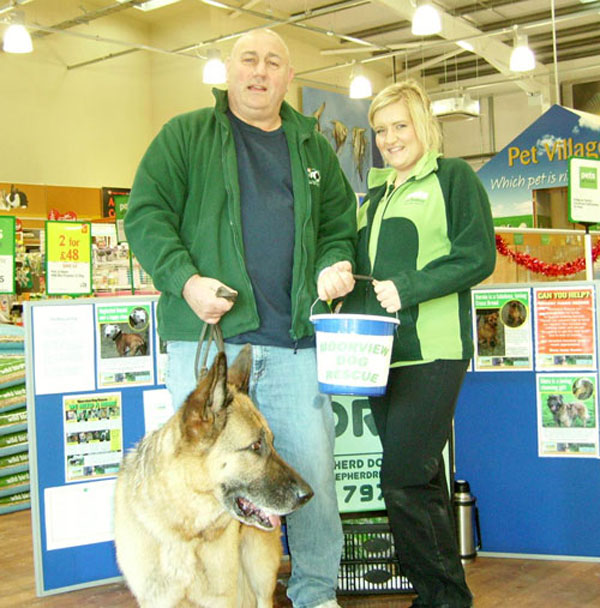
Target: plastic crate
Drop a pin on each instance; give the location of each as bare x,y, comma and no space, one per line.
369,564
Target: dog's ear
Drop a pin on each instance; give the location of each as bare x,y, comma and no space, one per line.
205,407
239,372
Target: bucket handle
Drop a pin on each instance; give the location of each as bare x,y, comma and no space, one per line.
317,300
357,277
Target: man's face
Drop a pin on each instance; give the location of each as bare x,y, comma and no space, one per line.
258,75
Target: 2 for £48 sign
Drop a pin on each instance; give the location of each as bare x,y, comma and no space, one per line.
68,256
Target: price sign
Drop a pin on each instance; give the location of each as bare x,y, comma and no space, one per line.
7,254
68,258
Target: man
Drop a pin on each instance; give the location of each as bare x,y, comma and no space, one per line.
248,196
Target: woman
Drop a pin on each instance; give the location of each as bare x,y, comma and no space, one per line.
426,235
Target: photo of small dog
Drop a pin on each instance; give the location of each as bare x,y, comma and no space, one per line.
487,329
583,388
514,313
566,414
138,318
490,332
126,344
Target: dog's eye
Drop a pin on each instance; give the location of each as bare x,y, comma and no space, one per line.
256,446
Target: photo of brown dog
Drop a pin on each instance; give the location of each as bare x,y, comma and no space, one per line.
490,332
126,344
514,313
566,414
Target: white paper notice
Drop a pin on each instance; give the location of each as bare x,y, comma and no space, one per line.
63,349
158,408
79,514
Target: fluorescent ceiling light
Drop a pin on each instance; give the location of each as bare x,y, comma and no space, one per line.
214,69
426,21
152,4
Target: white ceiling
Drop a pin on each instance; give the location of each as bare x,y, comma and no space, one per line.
563,34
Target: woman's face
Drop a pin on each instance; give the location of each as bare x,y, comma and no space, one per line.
396,138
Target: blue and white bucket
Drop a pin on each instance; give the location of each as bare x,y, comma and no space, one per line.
353,353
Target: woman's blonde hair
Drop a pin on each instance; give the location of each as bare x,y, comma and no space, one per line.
418,104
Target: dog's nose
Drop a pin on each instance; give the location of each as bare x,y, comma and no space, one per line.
304,493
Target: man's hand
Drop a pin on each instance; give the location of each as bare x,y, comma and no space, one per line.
387,295
335,281
201,295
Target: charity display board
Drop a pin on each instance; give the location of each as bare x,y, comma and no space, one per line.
89,400
526,425
95,385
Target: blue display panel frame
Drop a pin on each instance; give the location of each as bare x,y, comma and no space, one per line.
528,505
67,569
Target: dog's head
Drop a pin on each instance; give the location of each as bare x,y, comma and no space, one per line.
137,317
492,319
111,331
555,403
220,421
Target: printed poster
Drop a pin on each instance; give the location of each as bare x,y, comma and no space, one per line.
68,258
161,355
93,435
567,414
124,344
502,326
565,328
7,254
357,456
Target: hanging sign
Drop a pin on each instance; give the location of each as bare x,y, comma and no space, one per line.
68,255
584,190
7,254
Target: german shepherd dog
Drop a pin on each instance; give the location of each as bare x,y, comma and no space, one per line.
198,501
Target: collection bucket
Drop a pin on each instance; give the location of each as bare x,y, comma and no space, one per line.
353,353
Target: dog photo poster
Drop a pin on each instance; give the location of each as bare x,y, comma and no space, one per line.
124,344
567,414
502,329
93,435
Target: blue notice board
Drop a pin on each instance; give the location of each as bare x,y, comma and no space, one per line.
68,499
528,505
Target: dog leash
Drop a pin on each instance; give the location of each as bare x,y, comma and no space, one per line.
207,336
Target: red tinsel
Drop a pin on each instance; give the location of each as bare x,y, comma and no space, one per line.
539,267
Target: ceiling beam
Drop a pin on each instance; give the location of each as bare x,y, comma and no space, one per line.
496,53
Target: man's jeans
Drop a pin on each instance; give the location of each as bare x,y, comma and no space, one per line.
284,387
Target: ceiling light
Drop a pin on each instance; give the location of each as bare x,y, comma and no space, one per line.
16,37
214,69
151,4
360,85
426,21
522,58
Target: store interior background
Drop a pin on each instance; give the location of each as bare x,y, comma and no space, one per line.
71,120
79,112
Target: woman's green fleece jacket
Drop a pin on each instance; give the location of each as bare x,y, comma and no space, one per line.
183,217
433,236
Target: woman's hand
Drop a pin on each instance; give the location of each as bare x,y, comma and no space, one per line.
335,281
387,294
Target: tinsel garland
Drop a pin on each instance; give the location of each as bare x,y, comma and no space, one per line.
539,267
